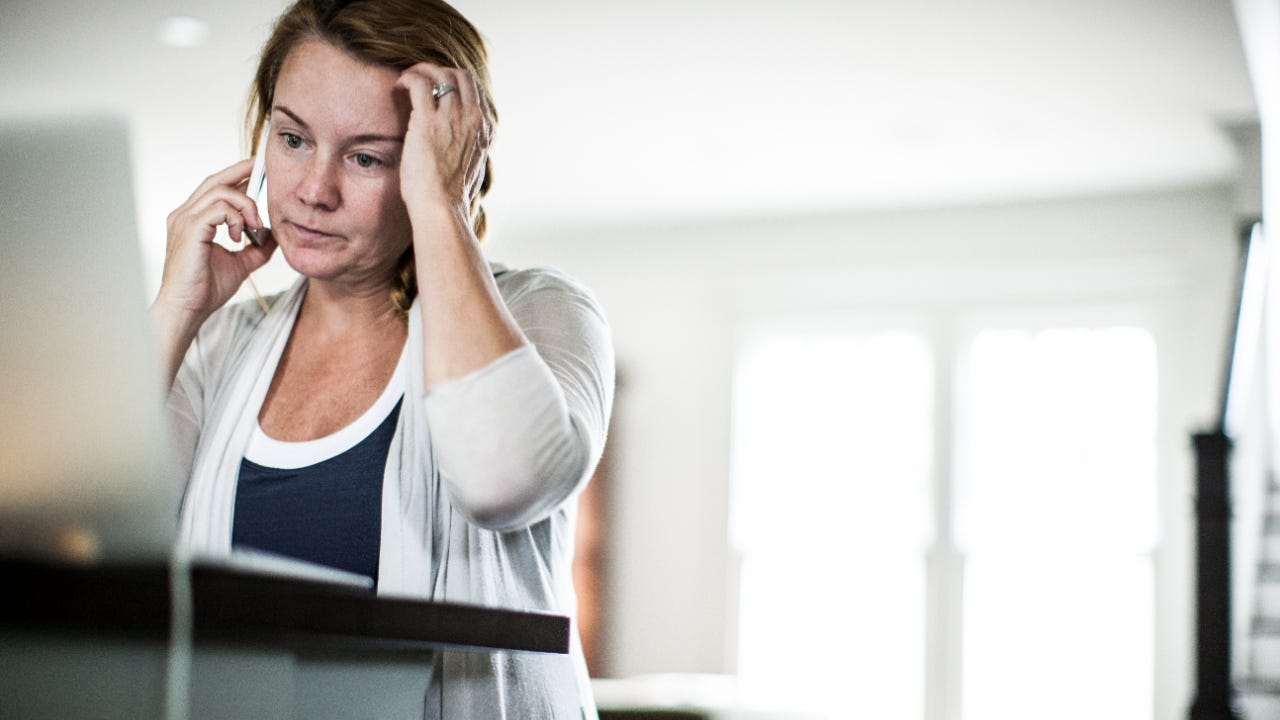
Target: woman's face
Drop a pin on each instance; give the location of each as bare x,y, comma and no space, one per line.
333,164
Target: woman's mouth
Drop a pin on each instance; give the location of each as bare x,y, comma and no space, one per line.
309,233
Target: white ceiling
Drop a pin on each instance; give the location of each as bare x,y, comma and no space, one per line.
625,111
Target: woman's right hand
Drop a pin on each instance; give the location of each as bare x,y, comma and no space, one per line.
200,276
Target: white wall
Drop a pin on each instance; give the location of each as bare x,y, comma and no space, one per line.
677,295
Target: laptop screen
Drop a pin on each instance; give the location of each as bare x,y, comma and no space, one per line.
84,468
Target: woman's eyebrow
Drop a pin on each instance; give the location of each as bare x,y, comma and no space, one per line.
375,138
362,138
292,116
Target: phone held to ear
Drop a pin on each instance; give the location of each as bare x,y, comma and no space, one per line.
257,191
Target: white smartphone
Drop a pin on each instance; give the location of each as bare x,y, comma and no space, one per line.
257,189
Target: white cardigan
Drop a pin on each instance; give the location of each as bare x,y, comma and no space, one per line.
479,492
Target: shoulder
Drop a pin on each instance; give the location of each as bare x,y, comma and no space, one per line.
543,285
563,320
230,328
238,316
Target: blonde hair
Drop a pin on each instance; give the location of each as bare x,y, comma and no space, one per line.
394,33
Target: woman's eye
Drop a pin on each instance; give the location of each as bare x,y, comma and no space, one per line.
366,160
291,141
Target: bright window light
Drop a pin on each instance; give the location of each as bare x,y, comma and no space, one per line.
832,455
1057,522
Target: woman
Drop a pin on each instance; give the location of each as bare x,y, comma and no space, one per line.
405,410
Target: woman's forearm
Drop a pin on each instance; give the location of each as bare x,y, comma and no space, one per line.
175,329
515,438
465,323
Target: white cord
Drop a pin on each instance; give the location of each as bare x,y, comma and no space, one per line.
177,695
266,309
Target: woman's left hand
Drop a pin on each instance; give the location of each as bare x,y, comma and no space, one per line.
448,138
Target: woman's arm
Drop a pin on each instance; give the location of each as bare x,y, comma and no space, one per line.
514,439
465,323
519,393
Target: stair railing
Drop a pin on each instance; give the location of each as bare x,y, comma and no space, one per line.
1215,697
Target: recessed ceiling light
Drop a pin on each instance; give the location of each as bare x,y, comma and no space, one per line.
182,32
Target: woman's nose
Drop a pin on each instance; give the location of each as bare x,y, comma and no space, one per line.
319,187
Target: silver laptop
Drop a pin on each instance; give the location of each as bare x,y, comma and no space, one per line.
85,466
84,469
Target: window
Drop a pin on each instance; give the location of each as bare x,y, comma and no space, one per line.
1052,514
1056,520
833,438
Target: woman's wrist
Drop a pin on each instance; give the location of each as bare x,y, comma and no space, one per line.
175,328
176,314
429,218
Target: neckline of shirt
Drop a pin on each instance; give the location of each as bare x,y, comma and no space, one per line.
266,451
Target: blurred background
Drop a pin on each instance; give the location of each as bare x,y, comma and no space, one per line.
915,303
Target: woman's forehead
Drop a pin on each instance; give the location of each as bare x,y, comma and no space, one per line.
323,84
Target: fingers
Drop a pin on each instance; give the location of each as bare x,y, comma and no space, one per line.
466,84
246,210
255,256
453,129
465,101
486,114
200,274
226,213
475,106
419,86
220,199
466,108
231,176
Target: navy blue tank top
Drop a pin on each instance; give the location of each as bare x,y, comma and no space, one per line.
328,513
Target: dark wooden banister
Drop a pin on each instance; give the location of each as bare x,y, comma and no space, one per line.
1215,696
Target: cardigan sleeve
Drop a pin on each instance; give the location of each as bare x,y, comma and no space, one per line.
516,438
185,405
225,331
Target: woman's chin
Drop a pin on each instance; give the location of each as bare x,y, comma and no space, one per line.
312,264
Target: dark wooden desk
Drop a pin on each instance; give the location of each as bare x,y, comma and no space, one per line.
94,641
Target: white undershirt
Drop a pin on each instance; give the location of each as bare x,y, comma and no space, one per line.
269,452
